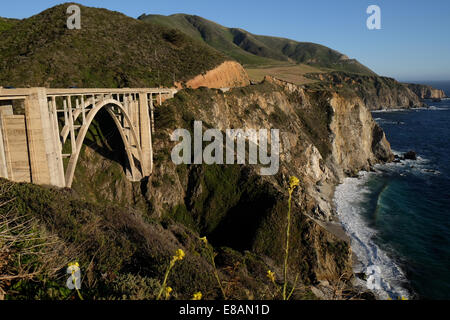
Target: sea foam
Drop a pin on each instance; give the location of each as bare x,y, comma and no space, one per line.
350,199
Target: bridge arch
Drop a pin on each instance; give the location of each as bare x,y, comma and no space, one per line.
130,140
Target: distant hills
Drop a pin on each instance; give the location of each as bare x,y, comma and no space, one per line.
110,50
258,51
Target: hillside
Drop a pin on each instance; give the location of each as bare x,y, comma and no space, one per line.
254,50
110,50
6,24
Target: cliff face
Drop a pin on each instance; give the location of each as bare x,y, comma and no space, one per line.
229,74
324,136
376,92
426,92
358,142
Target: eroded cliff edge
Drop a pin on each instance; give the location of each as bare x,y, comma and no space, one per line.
229,74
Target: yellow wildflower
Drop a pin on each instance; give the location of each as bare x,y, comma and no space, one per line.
197,296
168,291
293,183
271,275
179,255
204,240
74,264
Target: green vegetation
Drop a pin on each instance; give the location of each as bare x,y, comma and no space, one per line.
6,24
316,121
258,51
110,50
121,256
42,230
209,32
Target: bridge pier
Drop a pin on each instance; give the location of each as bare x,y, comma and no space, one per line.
42,145
145,135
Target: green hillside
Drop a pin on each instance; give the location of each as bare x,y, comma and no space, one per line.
6,24
210,32
256,51
110,50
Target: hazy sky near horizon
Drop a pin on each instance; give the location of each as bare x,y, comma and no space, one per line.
412,44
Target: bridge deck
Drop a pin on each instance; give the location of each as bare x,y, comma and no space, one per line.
20,93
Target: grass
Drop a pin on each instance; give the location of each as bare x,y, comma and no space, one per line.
212,256
209,32
6,24
290,73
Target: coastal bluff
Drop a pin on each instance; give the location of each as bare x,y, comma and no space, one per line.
426,91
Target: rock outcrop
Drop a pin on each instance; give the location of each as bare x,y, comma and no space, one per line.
229,74
377,93
426,92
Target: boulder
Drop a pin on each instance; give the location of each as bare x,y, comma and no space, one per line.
410,155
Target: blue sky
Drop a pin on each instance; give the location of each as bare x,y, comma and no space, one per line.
413,43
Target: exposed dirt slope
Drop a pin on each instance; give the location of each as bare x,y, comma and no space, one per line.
229,74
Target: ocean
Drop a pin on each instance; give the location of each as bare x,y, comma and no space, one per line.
398,217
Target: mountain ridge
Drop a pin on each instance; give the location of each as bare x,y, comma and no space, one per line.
255,50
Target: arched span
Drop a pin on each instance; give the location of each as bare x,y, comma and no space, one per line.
107,103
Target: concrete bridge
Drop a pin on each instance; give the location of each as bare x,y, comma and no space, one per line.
37,124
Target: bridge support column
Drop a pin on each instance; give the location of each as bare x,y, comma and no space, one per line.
145,128
44,154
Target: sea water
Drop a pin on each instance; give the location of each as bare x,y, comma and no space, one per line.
398,217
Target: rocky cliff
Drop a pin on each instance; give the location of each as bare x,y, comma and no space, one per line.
325,136
426,92
376,92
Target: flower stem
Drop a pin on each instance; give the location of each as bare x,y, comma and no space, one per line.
286,255
216,274
163,286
